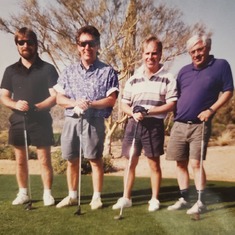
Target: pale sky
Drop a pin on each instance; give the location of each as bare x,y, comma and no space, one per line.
217,15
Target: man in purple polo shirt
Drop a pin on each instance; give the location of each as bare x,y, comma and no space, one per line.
199,86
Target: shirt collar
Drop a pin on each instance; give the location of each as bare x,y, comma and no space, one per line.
140,71
36,63
94,65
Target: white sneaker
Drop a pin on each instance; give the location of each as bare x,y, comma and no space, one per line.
198,207
20,199
154,205
48,200
96,203
67,201
122,203
180,204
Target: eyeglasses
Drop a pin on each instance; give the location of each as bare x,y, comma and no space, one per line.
28,42
91,43
198,50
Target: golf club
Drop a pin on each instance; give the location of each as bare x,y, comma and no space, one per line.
29,204
78,212
131,153
196,216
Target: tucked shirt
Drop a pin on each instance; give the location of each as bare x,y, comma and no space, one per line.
200,88
94,83
30,84
156,91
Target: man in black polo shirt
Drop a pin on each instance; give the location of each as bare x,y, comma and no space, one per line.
27,89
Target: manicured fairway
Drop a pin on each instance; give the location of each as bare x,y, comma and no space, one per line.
220,218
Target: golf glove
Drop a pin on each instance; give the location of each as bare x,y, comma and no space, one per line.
78,111
140,109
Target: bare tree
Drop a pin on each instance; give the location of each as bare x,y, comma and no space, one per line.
123,26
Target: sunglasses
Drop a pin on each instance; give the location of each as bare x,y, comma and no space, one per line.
91,43
28,42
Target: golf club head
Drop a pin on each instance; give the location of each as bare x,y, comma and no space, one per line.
118,217
78,212
195,216
28,206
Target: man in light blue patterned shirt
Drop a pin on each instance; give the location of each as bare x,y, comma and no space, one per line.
88,91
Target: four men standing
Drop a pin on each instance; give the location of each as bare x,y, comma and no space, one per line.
88,91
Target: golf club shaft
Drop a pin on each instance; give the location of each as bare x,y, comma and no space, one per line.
80,164
131,153
27,157
201,161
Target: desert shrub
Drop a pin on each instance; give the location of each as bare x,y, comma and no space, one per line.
6,152
32,153
60,165
108,164
224,139
86,167
118,134
3,137
57,139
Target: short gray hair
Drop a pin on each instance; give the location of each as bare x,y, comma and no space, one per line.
197,38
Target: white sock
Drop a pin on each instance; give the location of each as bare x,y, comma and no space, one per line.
23,191
96,195
47,192
73,194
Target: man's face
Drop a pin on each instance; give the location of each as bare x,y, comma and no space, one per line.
151,56
26,47
199,54
88,48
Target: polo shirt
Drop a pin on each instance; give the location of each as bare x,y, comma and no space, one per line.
30,84
199,89
156,91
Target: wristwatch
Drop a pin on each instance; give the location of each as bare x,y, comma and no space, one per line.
211,110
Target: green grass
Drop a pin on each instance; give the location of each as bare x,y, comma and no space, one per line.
220,218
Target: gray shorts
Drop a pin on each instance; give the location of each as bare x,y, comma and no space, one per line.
92,141
185,141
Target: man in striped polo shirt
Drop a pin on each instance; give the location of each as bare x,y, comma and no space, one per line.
147,97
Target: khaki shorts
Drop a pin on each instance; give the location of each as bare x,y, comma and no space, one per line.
92,141
185,141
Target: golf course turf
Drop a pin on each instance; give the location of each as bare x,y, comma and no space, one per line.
219,218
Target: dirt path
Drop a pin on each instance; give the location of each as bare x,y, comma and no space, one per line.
219,165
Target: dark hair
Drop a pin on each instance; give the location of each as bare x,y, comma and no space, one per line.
26,32
89,29
152,38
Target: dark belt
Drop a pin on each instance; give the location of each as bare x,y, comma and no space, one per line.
190,122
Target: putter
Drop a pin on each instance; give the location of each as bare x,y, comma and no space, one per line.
196,216
131,153
29,204
78,212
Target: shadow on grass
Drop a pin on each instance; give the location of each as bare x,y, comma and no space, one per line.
215,193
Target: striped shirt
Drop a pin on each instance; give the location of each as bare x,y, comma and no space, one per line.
156,91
